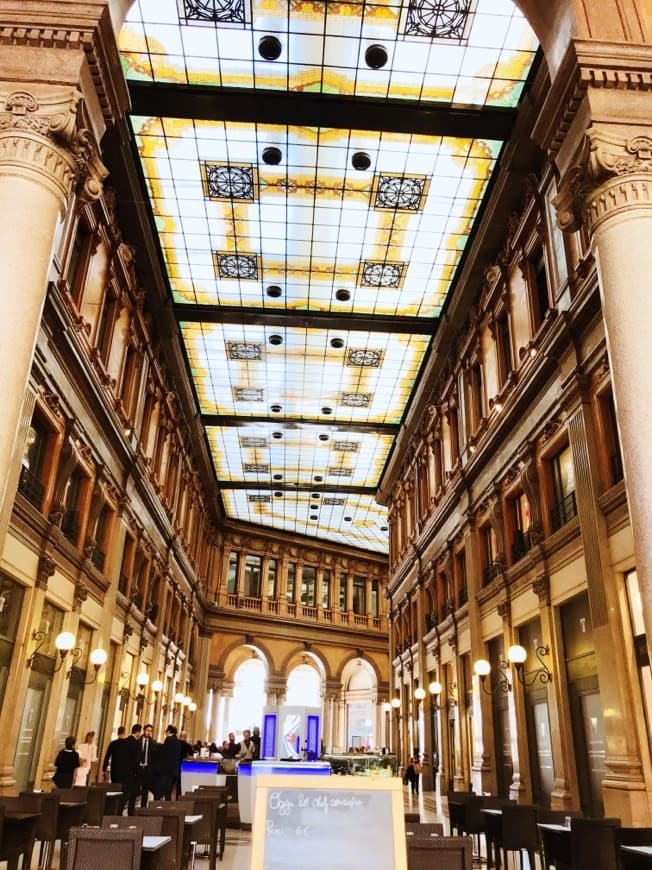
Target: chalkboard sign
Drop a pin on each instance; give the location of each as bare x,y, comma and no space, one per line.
328,823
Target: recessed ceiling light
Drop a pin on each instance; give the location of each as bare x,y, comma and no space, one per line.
343,295
375,56
337,342
324,437
270,48
276,408
277,435
272,155
326,410
361,161
276,339
274,291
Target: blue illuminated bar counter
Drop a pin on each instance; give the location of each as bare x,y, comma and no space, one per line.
247,773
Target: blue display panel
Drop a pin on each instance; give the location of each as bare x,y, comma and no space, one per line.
268,748
312,738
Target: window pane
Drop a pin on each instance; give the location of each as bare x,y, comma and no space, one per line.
292,573
232,579
342,591
359,604
252,576
271,578
326,589
308,578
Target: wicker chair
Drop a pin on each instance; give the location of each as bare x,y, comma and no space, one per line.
630,837
519,832
104,849
46,825
412,818
206,832
555,846
151,826
173,826
440,853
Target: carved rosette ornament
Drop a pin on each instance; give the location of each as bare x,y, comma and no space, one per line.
47,136
614,174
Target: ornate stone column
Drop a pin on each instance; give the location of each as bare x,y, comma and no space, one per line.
47,152
201,725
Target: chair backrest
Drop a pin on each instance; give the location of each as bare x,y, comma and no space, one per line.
412,817
171,858
46,825
95,802
151,826
593,845
473,821
452,853
424,829
519,827
104,849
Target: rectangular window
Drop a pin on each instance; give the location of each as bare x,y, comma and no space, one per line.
126,567
308,585
611,441
272,567
519,517
232,576
31,473
11,602
539,289
326,589
374,598
359,598
491,569
563,482
343,579
504,349
252,574
292,576
460,577
70,523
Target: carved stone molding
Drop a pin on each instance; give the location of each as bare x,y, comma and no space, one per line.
46,568
47,135
613,174
80,595
541,588
504,610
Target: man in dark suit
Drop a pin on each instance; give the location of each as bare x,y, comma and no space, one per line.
131,781
147,763
114,757
169,762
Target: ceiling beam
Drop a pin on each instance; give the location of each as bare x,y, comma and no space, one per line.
338,111
307,320
279,486
281,422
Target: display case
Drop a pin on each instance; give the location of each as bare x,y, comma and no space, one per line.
362,764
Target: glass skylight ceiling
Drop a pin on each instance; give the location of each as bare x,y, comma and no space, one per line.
307,263
463,52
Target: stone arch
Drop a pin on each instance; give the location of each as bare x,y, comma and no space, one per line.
238,652
302,656
350,663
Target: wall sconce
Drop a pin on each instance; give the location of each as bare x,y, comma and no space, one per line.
396,701
435,689
387,707
419,693
517,656
64,642
141,681
97,658
482,668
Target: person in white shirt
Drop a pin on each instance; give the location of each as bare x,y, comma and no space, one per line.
87,756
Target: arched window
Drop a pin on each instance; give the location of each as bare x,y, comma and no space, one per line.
360,724
248,696
303,687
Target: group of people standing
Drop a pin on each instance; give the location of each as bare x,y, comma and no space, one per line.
137,763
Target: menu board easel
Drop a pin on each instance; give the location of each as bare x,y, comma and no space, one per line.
328,823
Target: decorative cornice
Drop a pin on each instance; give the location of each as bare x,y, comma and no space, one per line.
47,134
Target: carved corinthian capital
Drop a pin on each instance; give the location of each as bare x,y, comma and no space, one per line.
613,173
46,135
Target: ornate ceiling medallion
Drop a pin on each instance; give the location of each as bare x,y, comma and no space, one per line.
229,266
439,19
244,350
400,192
364,358
225,182
374,274
248,394
213,11
356,400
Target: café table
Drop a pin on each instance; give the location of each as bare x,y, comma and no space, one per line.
636,857
151,849
18,835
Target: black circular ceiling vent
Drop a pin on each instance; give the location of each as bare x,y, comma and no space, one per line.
375,56
272,155
270,48
274,291
343,295
361,161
